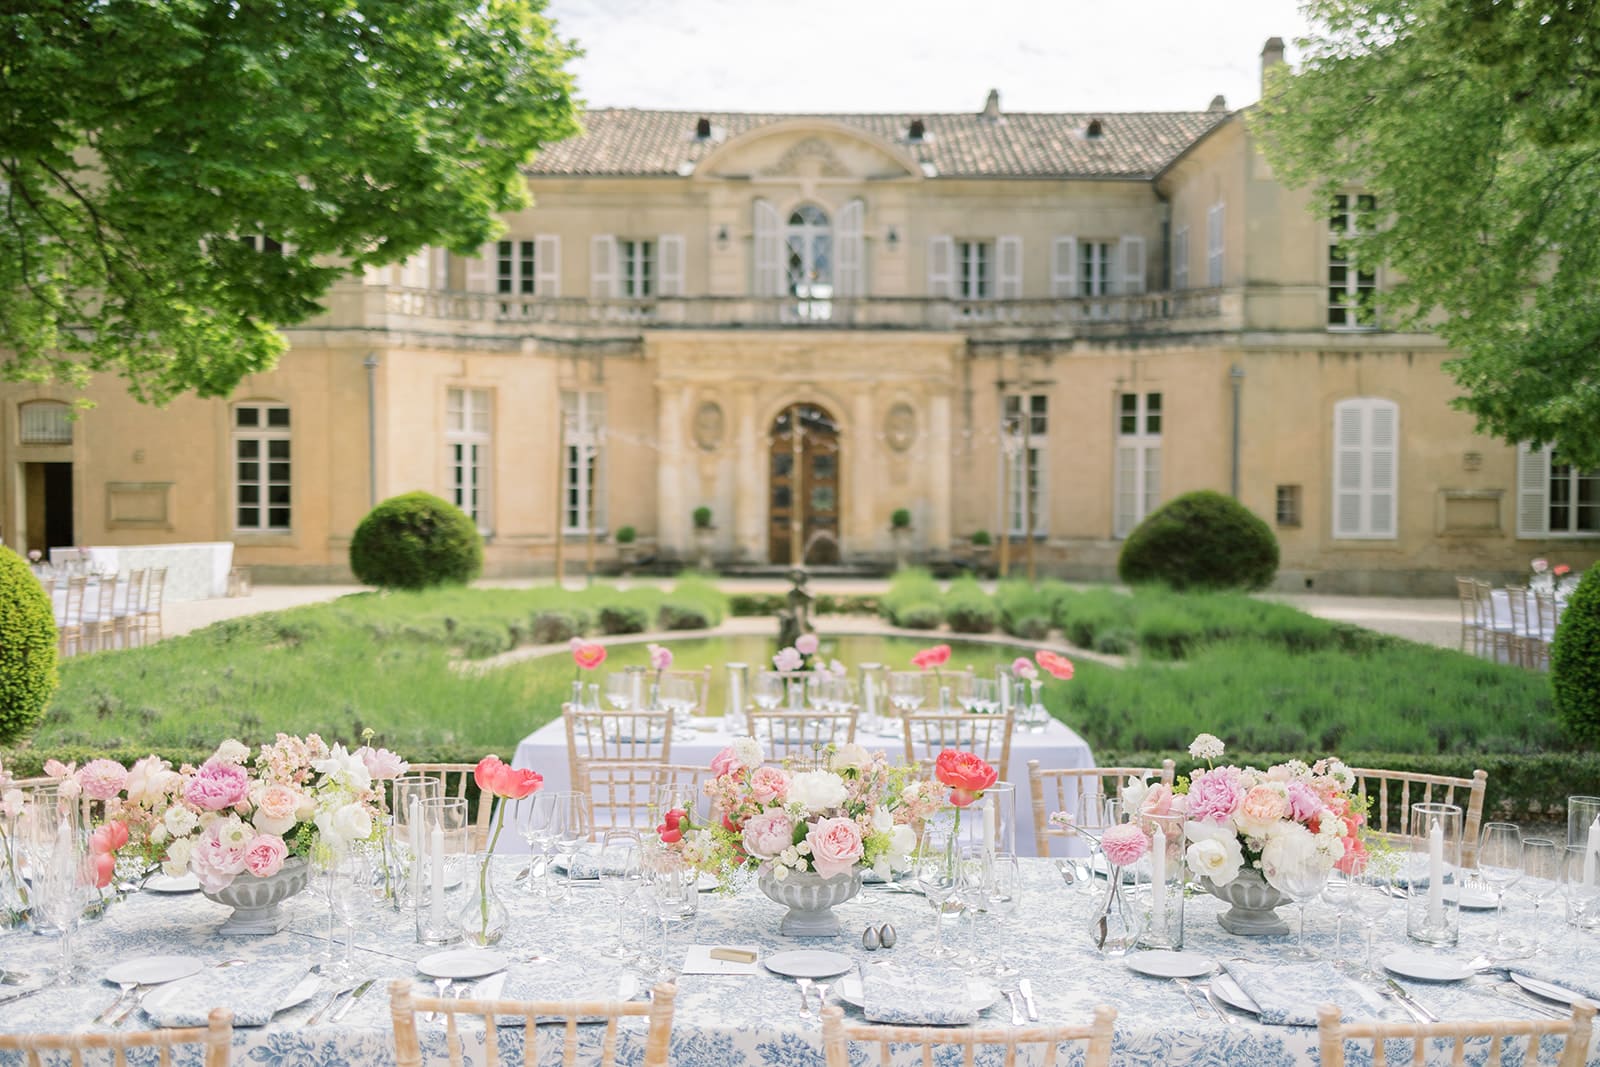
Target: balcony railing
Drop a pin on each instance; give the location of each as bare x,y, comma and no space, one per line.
1155,312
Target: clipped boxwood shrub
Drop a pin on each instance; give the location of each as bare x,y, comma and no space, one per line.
414,541
623,619
913,594
27,648
1201,540
1575,661
920,617
1025,609
679,616
554,627
967,608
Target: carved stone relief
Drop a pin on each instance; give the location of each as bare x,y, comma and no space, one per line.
900,427
709,426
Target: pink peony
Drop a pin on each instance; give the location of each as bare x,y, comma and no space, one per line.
1305,803
1124,844
768,784
54,768
381,763
218,856
767,834
1215,795
787,659
1023,668
835,845
806,644
725,762
102,779
265,855
217,785
660,657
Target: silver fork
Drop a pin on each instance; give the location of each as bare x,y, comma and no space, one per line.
1204,989
1188,994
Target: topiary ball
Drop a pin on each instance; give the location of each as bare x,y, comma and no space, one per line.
414,541
1575,661
1201,540
27,648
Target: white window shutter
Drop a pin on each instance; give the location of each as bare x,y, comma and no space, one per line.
547,265
1382,459
1152,478
1180,258
439,267
941,267
1131,253
1008,272
602,266
849,273
767,273
669,278
1348,436
1533,491
1125,480
1215,230
1064,268
480,270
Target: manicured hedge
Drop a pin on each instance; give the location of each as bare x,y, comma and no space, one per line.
414,541
1201,540
27,647
1575,661
967,608
913,600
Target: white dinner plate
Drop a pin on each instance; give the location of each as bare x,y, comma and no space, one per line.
163,883
1427,967
1477,900
1229,992
462,963
156,999
1164,964
980,994
808,963
148,970
1546,990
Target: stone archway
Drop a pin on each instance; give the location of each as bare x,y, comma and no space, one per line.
803,504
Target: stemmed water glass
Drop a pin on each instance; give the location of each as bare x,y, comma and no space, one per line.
1003,902
620,876
62,876
619,690
907,690
1500,867
535,818
1373,899
680,696
768,691
1541,875
985,700
1301,884
345,871
1339,893
938,877
572,826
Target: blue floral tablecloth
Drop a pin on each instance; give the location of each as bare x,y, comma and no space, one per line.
728,1020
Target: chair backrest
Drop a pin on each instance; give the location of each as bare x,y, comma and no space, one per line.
1332,1035
1517,602
988,737
1393,792
838,1035
1074,789
133,592
104,601
1467,598
454,779
215,1040
153,590
1548,613
77,584
623,794
634,736
702,686
405,1005
788,733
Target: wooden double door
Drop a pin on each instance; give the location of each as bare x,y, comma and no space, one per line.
803,506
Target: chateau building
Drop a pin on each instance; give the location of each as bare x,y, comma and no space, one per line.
1033,325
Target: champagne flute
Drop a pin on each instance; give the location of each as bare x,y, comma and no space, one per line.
1541,875
1005,900
535,817
937,876
1339,893
1302,884
620,875
1500,867
1373,901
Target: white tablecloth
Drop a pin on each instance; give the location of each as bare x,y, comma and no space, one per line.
545,751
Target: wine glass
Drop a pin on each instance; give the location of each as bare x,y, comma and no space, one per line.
907,690
1500,867
619,690
1373,899
573,825
966,695
620,876
938,874
343,871
61,870
1339,893
535,819
768,692
1541,875
1580,882
982,694
1302,884
1004,901
680,696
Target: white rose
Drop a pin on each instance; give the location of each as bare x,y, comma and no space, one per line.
177,861
158,834
816,790
902,842
747,750
1290,852
780,872
850,755
345,825
1217,858
179,820
1133,791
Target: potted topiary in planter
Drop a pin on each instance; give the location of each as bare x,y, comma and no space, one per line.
900,530
704,534
982,549
627,551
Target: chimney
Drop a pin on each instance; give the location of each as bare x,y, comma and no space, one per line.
1271,56
1218,103
991,107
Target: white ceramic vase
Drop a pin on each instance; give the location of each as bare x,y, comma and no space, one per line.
1253,900
257,902
810,899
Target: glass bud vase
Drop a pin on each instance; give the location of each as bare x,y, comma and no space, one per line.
13,890
1117,924
483,919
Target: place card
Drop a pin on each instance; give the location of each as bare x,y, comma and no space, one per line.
709,959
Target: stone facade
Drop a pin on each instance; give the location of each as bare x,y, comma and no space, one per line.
1153,300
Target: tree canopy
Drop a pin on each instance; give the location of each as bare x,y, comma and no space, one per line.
1476,126
180,177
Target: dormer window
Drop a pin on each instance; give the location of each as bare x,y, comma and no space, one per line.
917,132
702,130
1094,131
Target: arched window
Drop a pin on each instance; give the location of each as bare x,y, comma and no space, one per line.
45,422
261,467
808,244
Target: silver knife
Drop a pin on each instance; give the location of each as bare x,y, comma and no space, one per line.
24,993
350,1001
1423,1014
1026,988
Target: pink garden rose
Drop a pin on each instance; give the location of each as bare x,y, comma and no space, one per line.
265,855
787,659
1158,800
768,834
277,809
806,644
219,854
1263,806
725,762
1305,803
216,786
1023,668
102,779
1215,795
769,784
835,846
1124,844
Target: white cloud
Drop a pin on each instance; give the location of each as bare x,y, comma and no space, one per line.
922,55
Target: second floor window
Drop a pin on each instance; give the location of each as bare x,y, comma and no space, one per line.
974,270
1352,291
1137,477
1215,220
467,440
515,263
637,263
1094,268
261,467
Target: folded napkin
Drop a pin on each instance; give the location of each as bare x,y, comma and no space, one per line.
1288,994
254,994
931,995
583,985
1574,981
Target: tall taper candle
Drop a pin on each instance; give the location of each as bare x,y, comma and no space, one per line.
1435,874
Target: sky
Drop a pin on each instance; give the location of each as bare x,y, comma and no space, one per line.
922,55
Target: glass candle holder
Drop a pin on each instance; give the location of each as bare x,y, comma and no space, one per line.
874,696
1433,875
405,863
1583,848
990,822
738,692
445,836
1164,867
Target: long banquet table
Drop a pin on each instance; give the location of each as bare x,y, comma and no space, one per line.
754,1021
1057,747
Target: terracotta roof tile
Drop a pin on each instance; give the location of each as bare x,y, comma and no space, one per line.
626,141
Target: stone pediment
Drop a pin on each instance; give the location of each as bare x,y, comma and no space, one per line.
810,158
808,150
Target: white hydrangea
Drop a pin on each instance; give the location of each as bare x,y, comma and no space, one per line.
231,751
747,750
1207,747
179,820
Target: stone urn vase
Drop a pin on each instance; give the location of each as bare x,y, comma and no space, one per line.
810,899
1253,901
257,902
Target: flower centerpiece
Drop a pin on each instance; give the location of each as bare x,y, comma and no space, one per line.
1558,580
808,832
1248,828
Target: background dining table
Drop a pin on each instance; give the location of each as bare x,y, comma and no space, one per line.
755,1020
